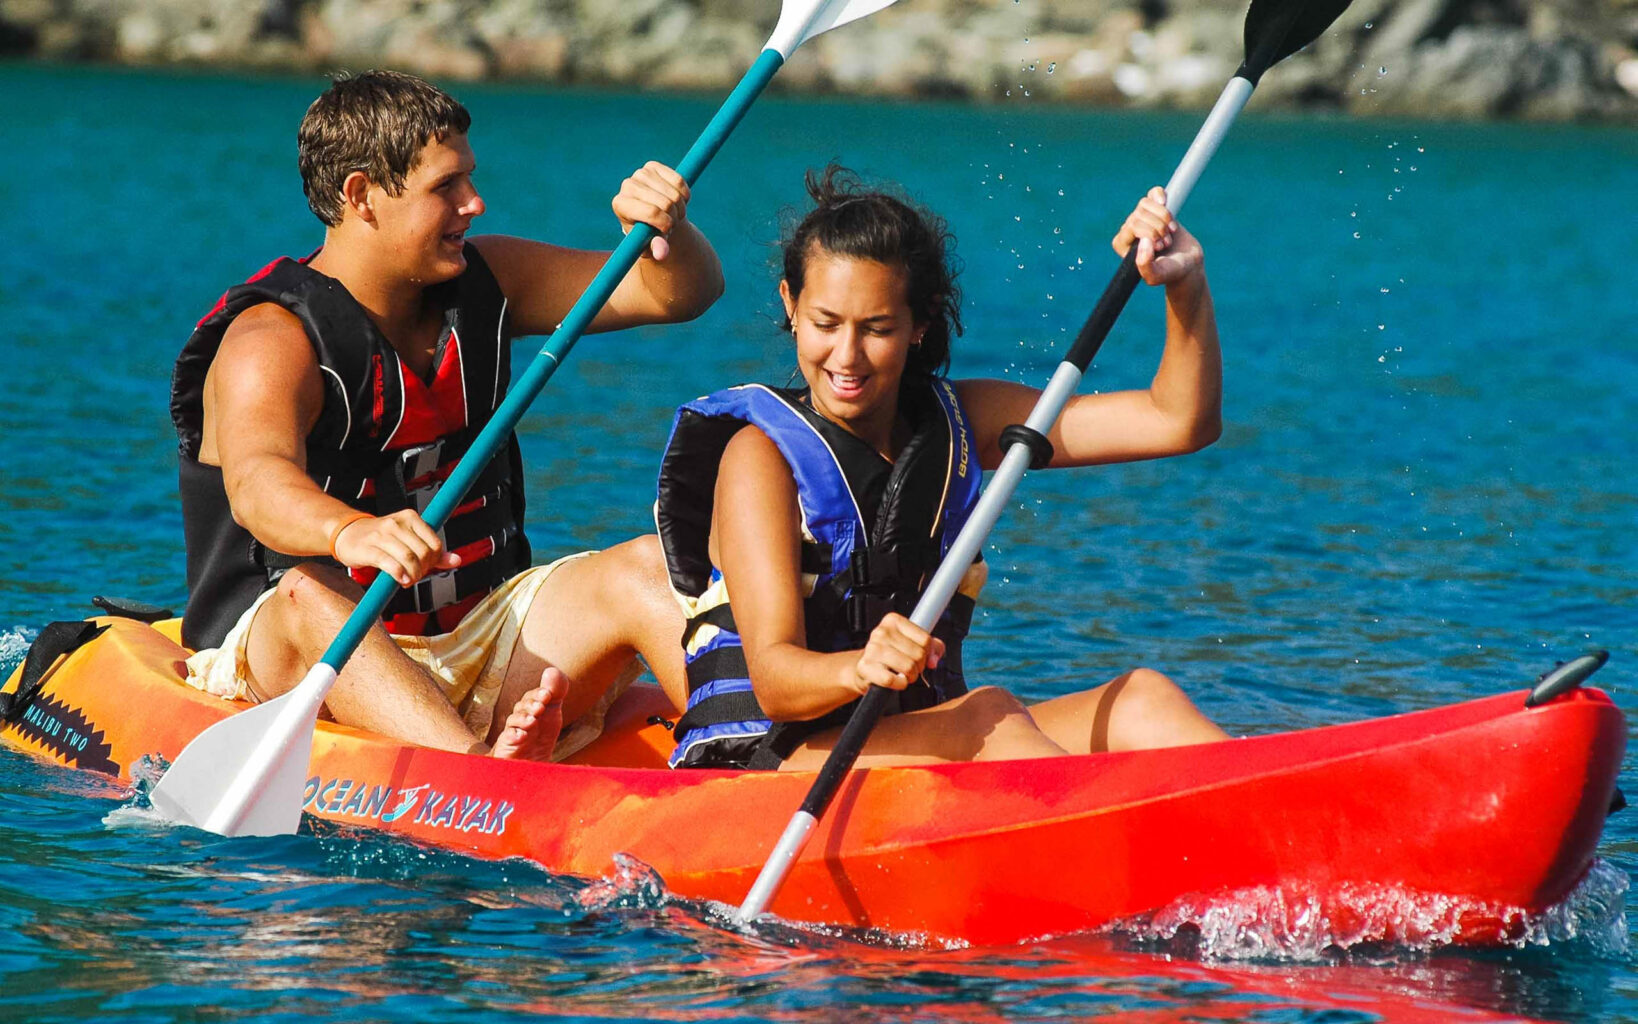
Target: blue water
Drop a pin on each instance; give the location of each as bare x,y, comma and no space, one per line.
1424,493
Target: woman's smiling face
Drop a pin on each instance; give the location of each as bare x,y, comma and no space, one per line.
854,330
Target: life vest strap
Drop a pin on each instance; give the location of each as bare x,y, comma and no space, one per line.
735,706
722,617
726,662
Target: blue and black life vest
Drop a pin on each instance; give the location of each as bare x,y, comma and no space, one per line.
385,440
873,532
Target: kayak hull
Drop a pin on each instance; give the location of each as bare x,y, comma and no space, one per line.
1486,803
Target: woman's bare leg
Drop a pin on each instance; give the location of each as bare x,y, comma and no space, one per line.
1140,710
987,724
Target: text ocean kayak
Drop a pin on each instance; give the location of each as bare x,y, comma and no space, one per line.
1488,803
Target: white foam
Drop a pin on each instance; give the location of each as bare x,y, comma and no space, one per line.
1267,923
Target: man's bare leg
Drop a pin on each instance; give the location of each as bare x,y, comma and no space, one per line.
591,618
379,688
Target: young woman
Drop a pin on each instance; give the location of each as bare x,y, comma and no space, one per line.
823,511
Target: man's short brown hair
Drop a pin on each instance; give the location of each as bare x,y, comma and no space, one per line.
375,122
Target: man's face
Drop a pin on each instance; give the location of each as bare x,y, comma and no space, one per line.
424,226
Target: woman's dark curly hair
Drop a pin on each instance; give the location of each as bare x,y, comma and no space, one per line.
849,219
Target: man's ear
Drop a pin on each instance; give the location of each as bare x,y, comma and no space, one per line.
355,196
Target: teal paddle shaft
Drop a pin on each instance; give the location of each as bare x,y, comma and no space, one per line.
551,356
244,775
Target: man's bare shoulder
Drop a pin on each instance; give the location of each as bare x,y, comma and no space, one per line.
263,335
266,355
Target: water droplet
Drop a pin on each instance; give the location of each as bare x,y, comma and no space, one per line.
1381,71
1381,327
1052,67
1356,234
1060,191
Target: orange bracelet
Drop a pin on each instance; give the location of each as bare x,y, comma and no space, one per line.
335,534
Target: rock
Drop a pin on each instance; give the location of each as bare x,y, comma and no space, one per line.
1626,75
1446,58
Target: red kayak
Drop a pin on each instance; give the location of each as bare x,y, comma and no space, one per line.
1489,806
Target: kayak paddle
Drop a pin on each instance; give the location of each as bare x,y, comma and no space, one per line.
245,775
1274,30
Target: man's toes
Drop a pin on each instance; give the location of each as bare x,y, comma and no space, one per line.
554,686
536,720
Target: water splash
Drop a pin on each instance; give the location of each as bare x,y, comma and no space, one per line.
778,931
14,645
632,885
1291,925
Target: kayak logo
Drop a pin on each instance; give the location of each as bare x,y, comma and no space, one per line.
67,734
421,805
954,405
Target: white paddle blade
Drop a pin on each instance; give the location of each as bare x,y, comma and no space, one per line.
801,20
198,788
245,776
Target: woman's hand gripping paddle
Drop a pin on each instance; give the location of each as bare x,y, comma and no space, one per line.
245,775
1275,29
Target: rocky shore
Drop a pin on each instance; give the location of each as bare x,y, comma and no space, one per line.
1533,59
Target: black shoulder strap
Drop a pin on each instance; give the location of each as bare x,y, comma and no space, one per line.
486,338
863,468
54,641
912,503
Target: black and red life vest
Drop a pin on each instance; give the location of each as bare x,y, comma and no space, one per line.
385,440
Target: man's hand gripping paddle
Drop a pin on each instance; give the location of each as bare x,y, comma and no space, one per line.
1274,30
245,775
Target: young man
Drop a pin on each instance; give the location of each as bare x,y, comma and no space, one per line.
321,404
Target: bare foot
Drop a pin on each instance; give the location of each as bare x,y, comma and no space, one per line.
532,728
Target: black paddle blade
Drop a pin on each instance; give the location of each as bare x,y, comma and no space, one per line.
1275,29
